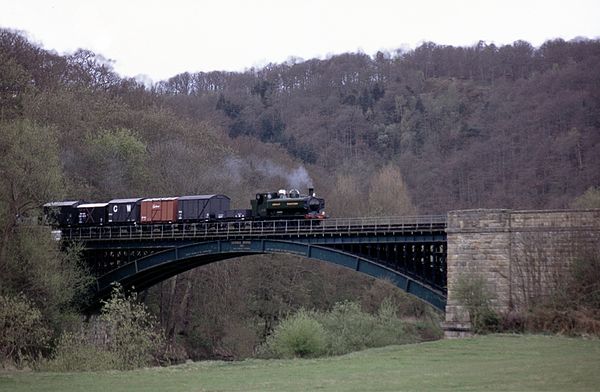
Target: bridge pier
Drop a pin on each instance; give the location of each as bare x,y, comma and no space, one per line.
519,254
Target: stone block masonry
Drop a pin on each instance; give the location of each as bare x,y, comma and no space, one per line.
519,254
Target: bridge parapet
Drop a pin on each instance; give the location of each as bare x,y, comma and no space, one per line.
520,254
259,229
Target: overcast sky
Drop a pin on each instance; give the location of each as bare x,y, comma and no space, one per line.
161,38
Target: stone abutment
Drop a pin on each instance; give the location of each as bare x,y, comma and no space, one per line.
520,255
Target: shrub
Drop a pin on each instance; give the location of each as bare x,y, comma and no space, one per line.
589,199
345,328
428,330
473,294
131,339
348,328
133,333
299,335
584,280
74,352
573,308
23,334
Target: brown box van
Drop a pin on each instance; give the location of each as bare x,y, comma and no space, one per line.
158,210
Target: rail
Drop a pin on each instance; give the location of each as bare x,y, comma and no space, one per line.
266,228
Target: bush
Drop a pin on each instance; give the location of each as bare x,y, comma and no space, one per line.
473,294
23,334
131,339
348,328
75,353
588,200
351,329
344,329
574,307
428,330
133,333
584,281
299,335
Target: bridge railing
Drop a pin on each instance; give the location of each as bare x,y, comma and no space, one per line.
243,229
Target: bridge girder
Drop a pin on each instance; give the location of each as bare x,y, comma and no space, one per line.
147,271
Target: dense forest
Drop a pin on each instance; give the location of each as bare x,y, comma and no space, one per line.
486,126
423,131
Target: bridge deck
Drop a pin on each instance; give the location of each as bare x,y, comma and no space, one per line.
257,229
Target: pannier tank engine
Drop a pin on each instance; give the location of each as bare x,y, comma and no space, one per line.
288,205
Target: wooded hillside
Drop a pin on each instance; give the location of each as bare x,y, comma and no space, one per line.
423,131
484,126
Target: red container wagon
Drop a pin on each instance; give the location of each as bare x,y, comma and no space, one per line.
158,210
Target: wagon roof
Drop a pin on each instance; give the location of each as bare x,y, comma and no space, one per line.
92,205
69,203
202,197
119,201
160,199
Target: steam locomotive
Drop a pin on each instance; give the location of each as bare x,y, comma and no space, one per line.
283,204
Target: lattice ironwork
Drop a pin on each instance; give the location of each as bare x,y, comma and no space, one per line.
411,251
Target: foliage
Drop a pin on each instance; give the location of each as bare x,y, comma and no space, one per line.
345,191
345,328
30,262
588,200
255,295
585,279
556,283
55,280
125,336
119,161
472,293
24,335
438,112
351,329
133,334
14,84
30,168
40,281
388,194
573,307
299,335
74,352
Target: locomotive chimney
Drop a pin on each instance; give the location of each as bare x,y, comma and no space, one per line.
311,191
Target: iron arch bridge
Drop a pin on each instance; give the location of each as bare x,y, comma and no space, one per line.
408,251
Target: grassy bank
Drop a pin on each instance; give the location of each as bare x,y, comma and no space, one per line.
488,363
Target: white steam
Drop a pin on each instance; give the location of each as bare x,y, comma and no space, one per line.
233,169
299,178
236,169
295,178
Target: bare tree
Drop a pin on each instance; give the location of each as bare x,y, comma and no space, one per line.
388,194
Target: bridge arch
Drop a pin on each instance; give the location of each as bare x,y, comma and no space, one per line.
147,271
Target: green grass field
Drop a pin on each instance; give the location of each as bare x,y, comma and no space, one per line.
488,363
